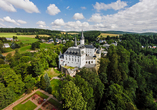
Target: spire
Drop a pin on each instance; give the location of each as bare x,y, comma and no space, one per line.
75,42
60,53
82,37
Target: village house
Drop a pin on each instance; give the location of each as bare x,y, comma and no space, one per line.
6,45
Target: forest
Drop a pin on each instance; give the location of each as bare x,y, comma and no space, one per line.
28,31
126,79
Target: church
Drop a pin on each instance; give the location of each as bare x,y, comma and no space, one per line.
80,56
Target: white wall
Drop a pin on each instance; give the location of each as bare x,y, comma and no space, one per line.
90,52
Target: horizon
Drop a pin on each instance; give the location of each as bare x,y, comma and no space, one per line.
112,15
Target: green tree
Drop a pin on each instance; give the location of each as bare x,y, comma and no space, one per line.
1,47
29,83
22,69
93,79
8,57
86,90
72,97
11,80
37,67
7,96
2,61
43,83
24,59
47,80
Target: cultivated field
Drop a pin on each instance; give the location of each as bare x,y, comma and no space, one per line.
107,34
73,33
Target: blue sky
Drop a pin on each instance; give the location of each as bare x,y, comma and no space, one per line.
75,15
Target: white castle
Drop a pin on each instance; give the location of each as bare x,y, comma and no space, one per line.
80,55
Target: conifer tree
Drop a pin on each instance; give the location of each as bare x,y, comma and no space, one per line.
47,80
42,83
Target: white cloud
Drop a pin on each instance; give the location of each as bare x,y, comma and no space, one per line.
138,18
58,22
95,18
114,5
2,25
78,16
68,7
43,27
77,25
83,8
1,20
26,5
21,22
52,9
41,23
9,20
7,6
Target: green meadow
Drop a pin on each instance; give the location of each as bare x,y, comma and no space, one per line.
22,38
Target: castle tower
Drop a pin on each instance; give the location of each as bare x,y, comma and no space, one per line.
75,42
82,39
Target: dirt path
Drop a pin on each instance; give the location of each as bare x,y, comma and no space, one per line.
12,52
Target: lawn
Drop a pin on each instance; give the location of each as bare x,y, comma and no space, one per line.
68,67
52,72
55,85
21,50
24,49
107,34
56,104
42,95
44,45
57,71
26,106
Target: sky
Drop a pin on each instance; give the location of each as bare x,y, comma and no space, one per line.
75,15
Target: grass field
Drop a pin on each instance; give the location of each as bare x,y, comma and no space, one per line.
23,38
24,49
56,104
44,45
55,85
52,73
107,34
26,106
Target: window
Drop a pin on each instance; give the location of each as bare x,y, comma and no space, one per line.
75,59
78,60
66,58
91,61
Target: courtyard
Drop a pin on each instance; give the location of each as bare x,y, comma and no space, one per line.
38,100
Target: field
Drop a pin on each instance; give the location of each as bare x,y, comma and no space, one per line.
52,72
73,33
23,38
107,34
